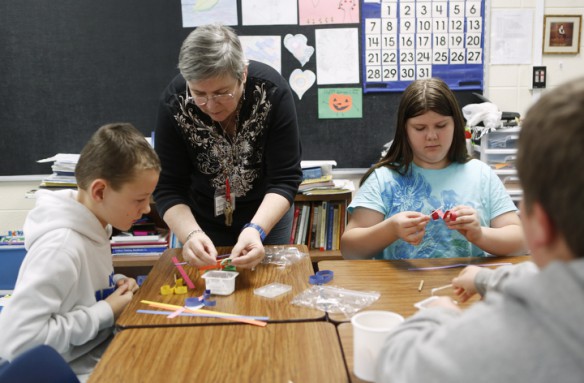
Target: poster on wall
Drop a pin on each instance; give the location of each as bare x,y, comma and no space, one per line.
405,40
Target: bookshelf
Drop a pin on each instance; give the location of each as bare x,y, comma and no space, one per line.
341,200
136,265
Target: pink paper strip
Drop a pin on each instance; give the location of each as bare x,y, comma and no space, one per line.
183,273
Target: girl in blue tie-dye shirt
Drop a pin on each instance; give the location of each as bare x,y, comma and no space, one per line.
426,168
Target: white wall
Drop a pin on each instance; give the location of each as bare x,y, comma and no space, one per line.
508,86
13,203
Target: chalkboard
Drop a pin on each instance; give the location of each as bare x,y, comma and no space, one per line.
70,66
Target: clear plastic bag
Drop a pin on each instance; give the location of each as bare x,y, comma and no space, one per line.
283,256
487,113
334,300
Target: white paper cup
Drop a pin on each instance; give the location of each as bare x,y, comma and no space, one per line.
370,329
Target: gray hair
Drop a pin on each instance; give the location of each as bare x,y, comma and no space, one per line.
209,51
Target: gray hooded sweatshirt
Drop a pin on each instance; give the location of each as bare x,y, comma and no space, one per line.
529,328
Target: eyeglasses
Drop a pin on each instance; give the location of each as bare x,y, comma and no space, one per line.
219,98
204,100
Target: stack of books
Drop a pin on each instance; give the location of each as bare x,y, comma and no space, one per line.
317,179
126,244
63,176
321,182
143,239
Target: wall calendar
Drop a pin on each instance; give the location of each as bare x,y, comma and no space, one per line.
405,40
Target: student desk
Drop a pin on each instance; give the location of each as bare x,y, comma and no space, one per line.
281,352
397,285
242,302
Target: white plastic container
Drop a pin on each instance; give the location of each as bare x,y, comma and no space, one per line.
220,282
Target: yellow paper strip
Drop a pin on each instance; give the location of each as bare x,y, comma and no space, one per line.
201,311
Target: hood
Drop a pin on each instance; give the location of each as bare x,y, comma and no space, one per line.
60,210
554,296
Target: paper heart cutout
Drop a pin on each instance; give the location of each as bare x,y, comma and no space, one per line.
301,81
297,46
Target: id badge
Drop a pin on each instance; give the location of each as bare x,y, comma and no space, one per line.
220,204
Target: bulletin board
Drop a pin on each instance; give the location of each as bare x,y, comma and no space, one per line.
406,40
70,66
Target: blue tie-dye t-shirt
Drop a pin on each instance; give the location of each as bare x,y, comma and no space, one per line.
424,190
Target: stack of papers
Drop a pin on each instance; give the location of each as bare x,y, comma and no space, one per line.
339,187
63,176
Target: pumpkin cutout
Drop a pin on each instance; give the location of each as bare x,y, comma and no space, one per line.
339,102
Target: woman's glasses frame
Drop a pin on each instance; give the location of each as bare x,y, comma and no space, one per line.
220,98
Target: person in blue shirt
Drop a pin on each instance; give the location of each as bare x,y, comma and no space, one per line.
428,169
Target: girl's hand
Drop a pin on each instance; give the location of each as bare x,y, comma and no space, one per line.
410,226
466,222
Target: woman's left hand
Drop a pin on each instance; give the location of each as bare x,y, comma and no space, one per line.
249,250
467,222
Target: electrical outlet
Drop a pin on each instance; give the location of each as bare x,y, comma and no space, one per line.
539,77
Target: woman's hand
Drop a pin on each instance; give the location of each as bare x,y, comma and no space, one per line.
249,250
199,251
464,284
466,222
410,226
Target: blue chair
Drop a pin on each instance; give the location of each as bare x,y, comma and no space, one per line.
39,364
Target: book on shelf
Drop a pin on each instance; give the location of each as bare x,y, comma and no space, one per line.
316,182
336,226
142,249
294,223
323,216
303,219
127,238
311,173
329,226
313,223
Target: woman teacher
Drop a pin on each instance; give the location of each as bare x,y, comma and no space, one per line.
227,137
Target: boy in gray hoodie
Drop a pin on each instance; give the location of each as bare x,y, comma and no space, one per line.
528,328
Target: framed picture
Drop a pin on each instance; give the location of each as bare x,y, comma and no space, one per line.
561,34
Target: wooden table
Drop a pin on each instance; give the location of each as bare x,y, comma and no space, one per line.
283,352
398,287
242,302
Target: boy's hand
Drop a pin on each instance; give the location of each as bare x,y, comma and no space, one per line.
410,226
464,285
467,223
131,282
119,299
444,301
